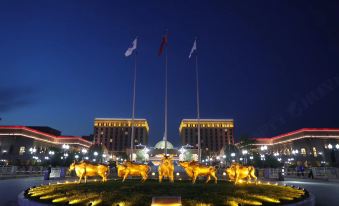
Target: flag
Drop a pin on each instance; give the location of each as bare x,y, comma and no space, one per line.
193,48
133,46
162,45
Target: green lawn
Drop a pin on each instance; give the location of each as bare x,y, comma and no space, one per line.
133,192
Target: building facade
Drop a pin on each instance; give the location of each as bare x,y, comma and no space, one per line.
307,146
115,133
20,143
214,133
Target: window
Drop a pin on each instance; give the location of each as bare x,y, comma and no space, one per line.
303,151
21,150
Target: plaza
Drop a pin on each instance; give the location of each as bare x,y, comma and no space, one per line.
169,103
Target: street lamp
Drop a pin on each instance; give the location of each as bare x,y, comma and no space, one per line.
337,146
244,152
32,150
84,151
232,154
146,150
65,146
330,146
95,153
182,150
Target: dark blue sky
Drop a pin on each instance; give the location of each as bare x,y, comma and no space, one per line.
273,66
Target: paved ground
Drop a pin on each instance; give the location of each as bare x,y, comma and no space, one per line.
326,193
10,188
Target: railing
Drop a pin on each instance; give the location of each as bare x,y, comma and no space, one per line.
318,173
20,170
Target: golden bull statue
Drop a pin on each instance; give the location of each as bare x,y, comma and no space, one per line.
237,172
194,169
85,169
133,169
166,168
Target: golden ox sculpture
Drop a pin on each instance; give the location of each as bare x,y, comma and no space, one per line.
85,169
133,169
166,168
194,169
237,173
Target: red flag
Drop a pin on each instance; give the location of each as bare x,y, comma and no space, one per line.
162,45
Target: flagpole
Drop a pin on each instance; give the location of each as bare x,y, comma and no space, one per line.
165,133
198,105
133,104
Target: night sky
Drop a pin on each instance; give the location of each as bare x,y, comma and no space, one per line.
273,66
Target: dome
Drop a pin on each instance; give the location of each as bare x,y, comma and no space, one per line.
161,145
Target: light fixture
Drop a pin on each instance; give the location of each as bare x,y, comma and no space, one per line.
65,146
146,150
182,150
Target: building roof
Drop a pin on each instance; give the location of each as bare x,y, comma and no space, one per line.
42,136
46,129
121,119
161,145
138,122
300,134
208,120
212,123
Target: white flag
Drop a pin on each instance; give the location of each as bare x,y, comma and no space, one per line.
131,48
193,48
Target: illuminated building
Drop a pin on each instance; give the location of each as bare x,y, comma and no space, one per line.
115,133
312,146
214,133
18,143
